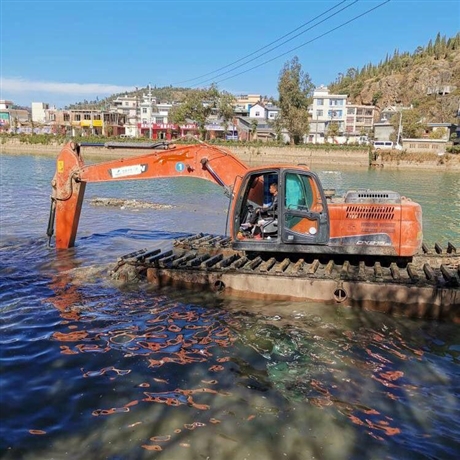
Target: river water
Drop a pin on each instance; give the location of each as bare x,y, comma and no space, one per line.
92,370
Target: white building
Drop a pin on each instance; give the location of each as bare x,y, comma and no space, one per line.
142,112
266,111
5,105
326,109
40,112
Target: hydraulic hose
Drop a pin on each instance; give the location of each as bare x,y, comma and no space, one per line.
50,229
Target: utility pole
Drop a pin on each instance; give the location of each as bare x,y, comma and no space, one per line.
399,128
137,118
150,112
316,130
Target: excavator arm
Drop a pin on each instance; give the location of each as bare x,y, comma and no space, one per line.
202,161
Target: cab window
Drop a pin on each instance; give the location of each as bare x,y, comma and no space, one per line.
299,192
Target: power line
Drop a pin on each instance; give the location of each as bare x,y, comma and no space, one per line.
306,43
275,47
264,47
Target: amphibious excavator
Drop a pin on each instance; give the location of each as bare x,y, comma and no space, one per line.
306,221
364,247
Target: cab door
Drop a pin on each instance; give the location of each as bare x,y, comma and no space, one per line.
304,213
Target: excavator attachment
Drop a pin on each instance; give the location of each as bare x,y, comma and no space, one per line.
67,196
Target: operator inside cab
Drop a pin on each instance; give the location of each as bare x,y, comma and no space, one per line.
261,220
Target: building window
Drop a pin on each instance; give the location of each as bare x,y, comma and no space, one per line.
334,113
350,111
160,120
319,113
336,102
66,117
144,110
257,114
319,101
97,116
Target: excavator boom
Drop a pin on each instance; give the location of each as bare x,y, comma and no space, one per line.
202,161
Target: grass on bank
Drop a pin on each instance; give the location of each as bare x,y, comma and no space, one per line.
46,139
393,156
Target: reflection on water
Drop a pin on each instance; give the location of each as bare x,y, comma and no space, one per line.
90,370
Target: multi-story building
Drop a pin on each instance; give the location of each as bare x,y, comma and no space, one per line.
12,120
42,112
80,122
145,115
326,109
88,122
359,121
128,106
246,101
353,121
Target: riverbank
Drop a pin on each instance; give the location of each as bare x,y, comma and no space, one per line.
263,155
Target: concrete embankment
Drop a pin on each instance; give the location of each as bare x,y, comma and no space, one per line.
263,155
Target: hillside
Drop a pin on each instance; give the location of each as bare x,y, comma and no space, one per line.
164,94
428,79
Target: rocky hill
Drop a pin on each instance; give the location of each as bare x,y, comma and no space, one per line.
428,79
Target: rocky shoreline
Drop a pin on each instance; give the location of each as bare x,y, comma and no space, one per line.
262,155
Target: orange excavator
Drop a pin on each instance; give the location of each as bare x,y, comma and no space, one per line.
306,219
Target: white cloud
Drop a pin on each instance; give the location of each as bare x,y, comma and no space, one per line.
20,85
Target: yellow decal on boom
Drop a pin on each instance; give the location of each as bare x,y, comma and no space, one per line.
60,166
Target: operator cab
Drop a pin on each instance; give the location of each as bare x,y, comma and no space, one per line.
300,217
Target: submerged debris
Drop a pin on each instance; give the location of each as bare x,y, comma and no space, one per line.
135,204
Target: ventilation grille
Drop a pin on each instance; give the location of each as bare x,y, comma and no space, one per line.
370,212
372,196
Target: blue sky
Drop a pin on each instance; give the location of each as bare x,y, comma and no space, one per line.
64,51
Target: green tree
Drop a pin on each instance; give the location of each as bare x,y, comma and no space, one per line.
254,124
295,96
225,108
412,124
199,104
332,130
277,128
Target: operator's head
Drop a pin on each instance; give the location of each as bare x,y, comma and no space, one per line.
273,188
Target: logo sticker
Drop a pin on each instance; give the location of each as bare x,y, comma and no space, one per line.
60,166
125,171
180,167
